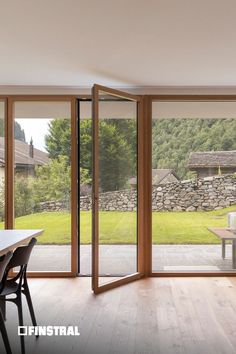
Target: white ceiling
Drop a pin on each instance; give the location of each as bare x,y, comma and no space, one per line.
124,43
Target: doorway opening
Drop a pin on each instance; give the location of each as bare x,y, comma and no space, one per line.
117,181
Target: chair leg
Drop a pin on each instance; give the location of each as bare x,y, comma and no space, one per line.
18,302
3,307
4,334
30,305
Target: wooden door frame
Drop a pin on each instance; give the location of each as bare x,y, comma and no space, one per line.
9,173
95,194
148,154
145,160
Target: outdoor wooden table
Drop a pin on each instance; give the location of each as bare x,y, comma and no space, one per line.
11,239
226,235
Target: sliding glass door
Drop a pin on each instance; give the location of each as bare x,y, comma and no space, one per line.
116,242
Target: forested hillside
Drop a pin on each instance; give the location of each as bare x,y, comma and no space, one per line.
18,131
174,139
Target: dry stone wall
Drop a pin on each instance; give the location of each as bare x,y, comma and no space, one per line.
54,206
209,193
124,200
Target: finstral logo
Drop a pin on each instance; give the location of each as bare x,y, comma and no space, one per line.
48,331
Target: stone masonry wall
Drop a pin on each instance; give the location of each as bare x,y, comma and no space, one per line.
124,200
209,193
54,206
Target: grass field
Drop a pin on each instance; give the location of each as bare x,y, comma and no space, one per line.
119,228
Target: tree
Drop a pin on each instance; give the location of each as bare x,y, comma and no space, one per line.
85,142
58,141
115,154
117,149
84,176
24,202
52,181
18,131
174,139
115,158
127,129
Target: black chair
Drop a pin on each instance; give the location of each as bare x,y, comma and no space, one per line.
19,285
4,260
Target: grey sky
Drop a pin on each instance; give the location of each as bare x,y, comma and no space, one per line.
35,128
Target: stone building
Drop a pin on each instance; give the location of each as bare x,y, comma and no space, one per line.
26,157
159,175
212,163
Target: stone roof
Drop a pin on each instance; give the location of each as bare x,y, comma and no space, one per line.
158,175
22,156
208,159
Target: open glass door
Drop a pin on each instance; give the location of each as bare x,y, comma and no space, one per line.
117,245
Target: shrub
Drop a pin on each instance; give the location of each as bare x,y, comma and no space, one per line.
24,201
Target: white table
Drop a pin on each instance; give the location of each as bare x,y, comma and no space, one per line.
11,239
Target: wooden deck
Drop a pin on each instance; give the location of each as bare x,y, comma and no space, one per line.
152,316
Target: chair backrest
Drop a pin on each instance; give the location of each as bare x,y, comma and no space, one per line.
21,255
4,260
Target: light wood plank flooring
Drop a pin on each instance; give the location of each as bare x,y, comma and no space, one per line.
155,315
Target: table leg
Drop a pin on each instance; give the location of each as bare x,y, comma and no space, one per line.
234,254
223,248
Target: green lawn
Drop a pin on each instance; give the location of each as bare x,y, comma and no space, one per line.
118,227
56,226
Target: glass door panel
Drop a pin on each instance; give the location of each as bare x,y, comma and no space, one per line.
193,185
115,188
85,212
42,180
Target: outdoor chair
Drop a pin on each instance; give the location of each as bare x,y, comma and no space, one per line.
19,285
4,260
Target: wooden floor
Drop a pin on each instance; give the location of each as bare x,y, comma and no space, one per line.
155,315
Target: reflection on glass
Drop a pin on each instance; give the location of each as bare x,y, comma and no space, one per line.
42,189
